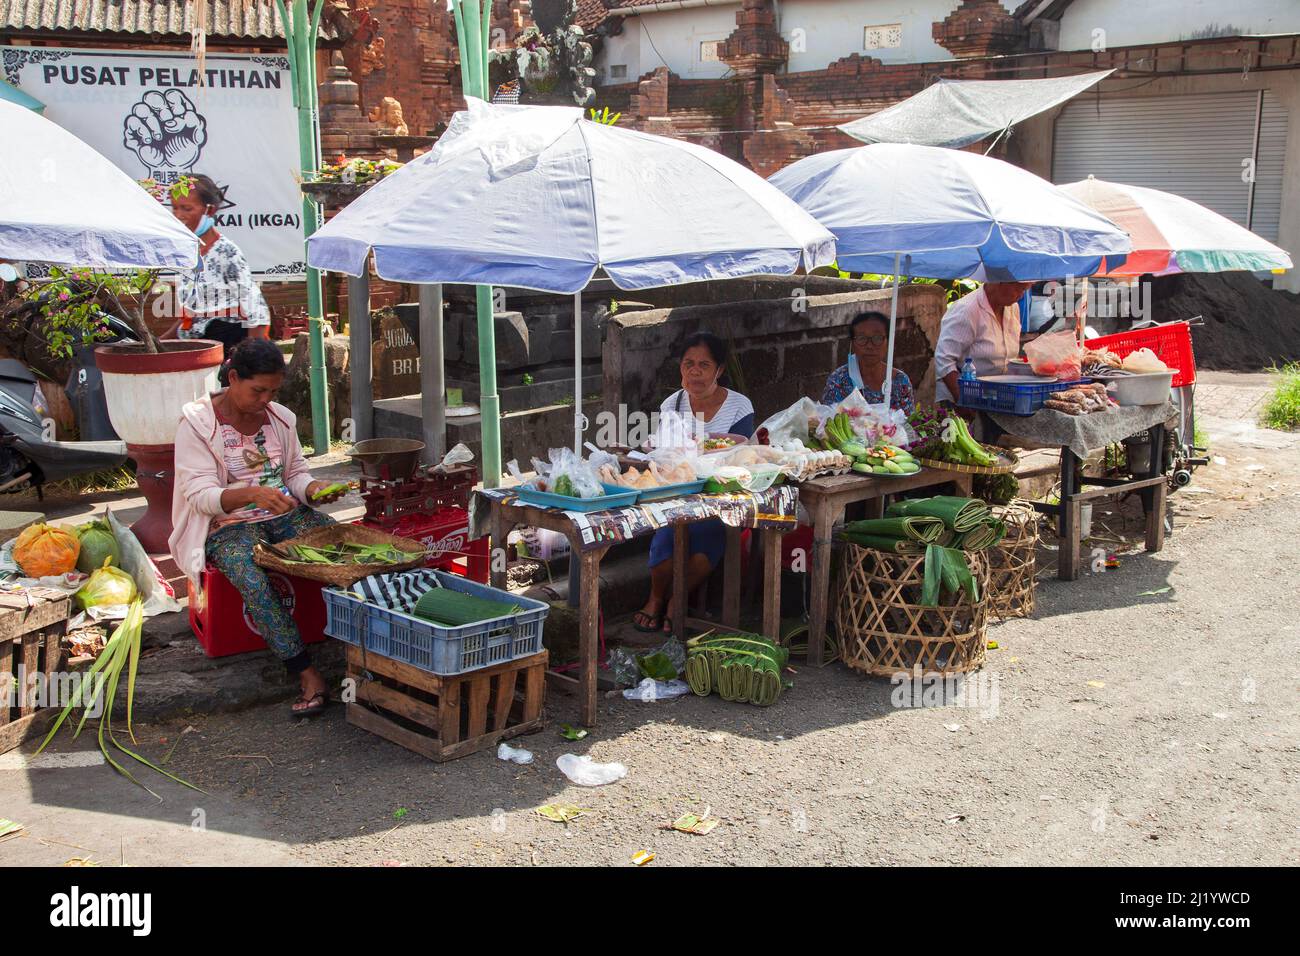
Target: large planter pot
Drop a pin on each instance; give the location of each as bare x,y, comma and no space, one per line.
145,394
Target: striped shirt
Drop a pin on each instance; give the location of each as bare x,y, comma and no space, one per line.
734,409
971,330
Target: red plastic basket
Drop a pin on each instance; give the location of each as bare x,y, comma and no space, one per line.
1171,343
223,626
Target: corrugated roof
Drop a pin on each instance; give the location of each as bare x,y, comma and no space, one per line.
227,19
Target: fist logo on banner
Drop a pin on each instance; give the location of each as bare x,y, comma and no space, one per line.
165,131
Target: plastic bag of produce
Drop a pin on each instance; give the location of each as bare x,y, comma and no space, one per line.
1056,354
98,543
108,586
46,551
567,474
1142,361
790,424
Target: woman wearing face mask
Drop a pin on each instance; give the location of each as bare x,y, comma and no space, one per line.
218,300
865,369
714,410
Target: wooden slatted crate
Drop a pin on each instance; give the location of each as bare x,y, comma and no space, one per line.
31,643
446,717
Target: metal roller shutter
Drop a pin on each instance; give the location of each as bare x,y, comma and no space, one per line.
1192,145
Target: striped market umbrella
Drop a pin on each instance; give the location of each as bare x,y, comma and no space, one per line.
1172,234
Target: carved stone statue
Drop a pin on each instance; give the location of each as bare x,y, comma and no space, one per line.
388,114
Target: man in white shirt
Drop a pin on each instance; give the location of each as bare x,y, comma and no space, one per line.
983,326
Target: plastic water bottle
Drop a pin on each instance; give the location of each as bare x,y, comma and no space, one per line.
968,370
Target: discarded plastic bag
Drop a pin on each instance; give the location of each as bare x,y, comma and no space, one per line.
514,754
651,689
585,772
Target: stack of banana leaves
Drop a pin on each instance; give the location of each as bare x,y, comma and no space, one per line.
968,519
739,667
943,528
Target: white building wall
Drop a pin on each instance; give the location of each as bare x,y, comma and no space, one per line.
1166,21
819,32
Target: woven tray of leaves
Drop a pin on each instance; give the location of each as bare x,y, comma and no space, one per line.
340,554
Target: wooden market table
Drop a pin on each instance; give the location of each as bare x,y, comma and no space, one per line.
825,500
1045,425
505,515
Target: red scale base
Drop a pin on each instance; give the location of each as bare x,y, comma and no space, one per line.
433,509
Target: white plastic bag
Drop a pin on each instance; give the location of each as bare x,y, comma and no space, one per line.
460,455
790,424
585,772
650,690
514,754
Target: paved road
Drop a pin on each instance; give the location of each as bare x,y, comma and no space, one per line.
1145,715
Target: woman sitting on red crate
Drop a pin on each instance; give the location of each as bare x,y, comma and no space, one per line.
240,479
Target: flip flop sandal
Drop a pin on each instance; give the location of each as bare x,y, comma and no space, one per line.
654,627
310,710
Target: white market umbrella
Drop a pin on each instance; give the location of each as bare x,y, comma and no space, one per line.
939,213
539,197
62,202
1171,234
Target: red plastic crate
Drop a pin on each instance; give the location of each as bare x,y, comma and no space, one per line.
445,534
1171,343
223,627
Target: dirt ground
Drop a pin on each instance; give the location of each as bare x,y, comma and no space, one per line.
1144,715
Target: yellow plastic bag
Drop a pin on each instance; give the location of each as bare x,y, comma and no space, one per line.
46,551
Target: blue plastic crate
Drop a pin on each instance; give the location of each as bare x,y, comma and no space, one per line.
428,646
671,491
615,497
1009,399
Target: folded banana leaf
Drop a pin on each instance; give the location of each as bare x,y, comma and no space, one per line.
985,536
958,514
918,528
946,572
880,542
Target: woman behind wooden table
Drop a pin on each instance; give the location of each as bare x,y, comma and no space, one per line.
713,409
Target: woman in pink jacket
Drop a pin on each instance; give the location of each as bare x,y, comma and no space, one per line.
241,478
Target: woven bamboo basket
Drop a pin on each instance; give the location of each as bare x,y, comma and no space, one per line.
1012,563
883,627
338,575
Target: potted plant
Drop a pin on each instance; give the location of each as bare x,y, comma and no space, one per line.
145,382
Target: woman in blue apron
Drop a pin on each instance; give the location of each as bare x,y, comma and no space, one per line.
713,409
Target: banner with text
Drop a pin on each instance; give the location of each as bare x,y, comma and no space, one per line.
155,117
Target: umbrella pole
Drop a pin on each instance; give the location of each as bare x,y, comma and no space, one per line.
577,374
433,391
893,319
489,402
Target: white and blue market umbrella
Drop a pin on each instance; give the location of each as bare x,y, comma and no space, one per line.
62,202
540,198
938,213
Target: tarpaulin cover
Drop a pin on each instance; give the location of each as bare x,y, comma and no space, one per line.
956,113
539,197
60,201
